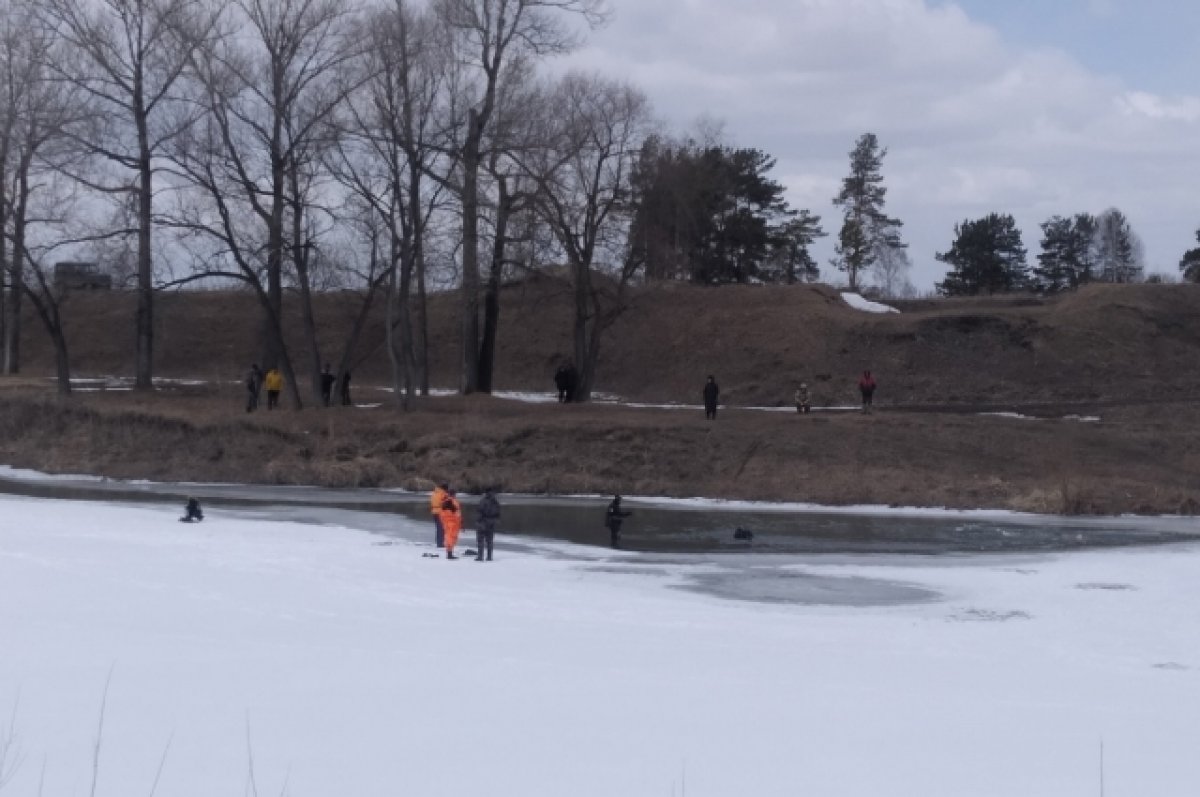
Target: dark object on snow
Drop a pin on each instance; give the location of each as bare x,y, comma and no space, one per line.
428,555
743,534
193,512
614,516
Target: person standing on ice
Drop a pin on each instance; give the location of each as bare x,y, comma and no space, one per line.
486,517
711,393
866,386
440,493
614,516
451,522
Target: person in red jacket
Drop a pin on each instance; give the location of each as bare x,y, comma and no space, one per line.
451,522
866,386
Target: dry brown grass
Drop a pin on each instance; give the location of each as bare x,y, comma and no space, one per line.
1140,459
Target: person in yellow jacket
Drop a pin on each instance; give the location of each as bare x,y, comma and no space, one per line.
451,522
273,382
440,494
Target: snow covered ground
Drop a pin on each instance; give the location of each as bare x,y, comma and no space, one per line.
255,657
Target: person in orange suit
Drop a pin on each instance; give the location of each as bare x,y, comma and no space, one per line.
435,508
451,522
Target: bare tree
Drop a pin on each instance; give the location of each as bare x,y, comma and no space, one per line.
596,129
39,111
21,66
891,269
490,33
268,88
128,56
395,125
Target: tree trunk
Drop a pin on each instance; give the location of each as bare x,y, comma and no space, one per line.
421,341
491,299
4,264
401,381
470,255
12,315
62,363
415,349
300,255
144,365
583,390
16,272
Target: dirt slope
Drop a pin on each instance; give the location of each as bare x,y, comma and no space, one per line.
1104,343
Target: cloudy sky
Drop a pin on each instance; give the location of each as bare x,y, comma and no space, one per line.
1029,107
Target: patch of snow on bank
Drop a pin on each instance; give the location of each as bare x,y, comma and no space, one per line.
26,475
858,302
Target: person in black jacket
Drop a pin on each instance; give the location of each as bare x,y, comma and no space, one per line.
486,517
614,516
346,388
327,380
711,392
253,387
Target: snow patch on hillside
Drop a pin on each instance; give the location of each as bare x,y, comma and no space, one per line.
857,301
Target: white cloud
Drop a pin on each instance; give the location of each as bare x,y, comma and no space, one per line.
973,123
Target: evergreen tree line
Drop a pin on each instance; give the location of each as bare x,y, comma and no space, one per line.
988,256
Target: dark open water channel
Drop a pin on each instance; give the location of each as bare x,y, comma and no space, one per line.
660,527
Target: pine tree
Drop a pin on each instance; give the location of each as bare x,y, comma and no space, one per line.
792,262
1053,271
987,256
866,229
1068,253
1190,263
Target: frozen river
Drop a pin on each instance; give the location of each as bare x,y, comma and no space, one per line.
656,526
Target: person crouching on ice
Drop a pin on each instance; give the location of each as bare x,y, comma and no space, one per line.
192,512
451,522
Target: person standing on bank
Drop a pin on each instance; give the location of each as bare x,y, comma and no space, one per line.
440,494
327,380
486,518
614,516
253,386
711,394
346,389
866,386
802,405
451,522
273,382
